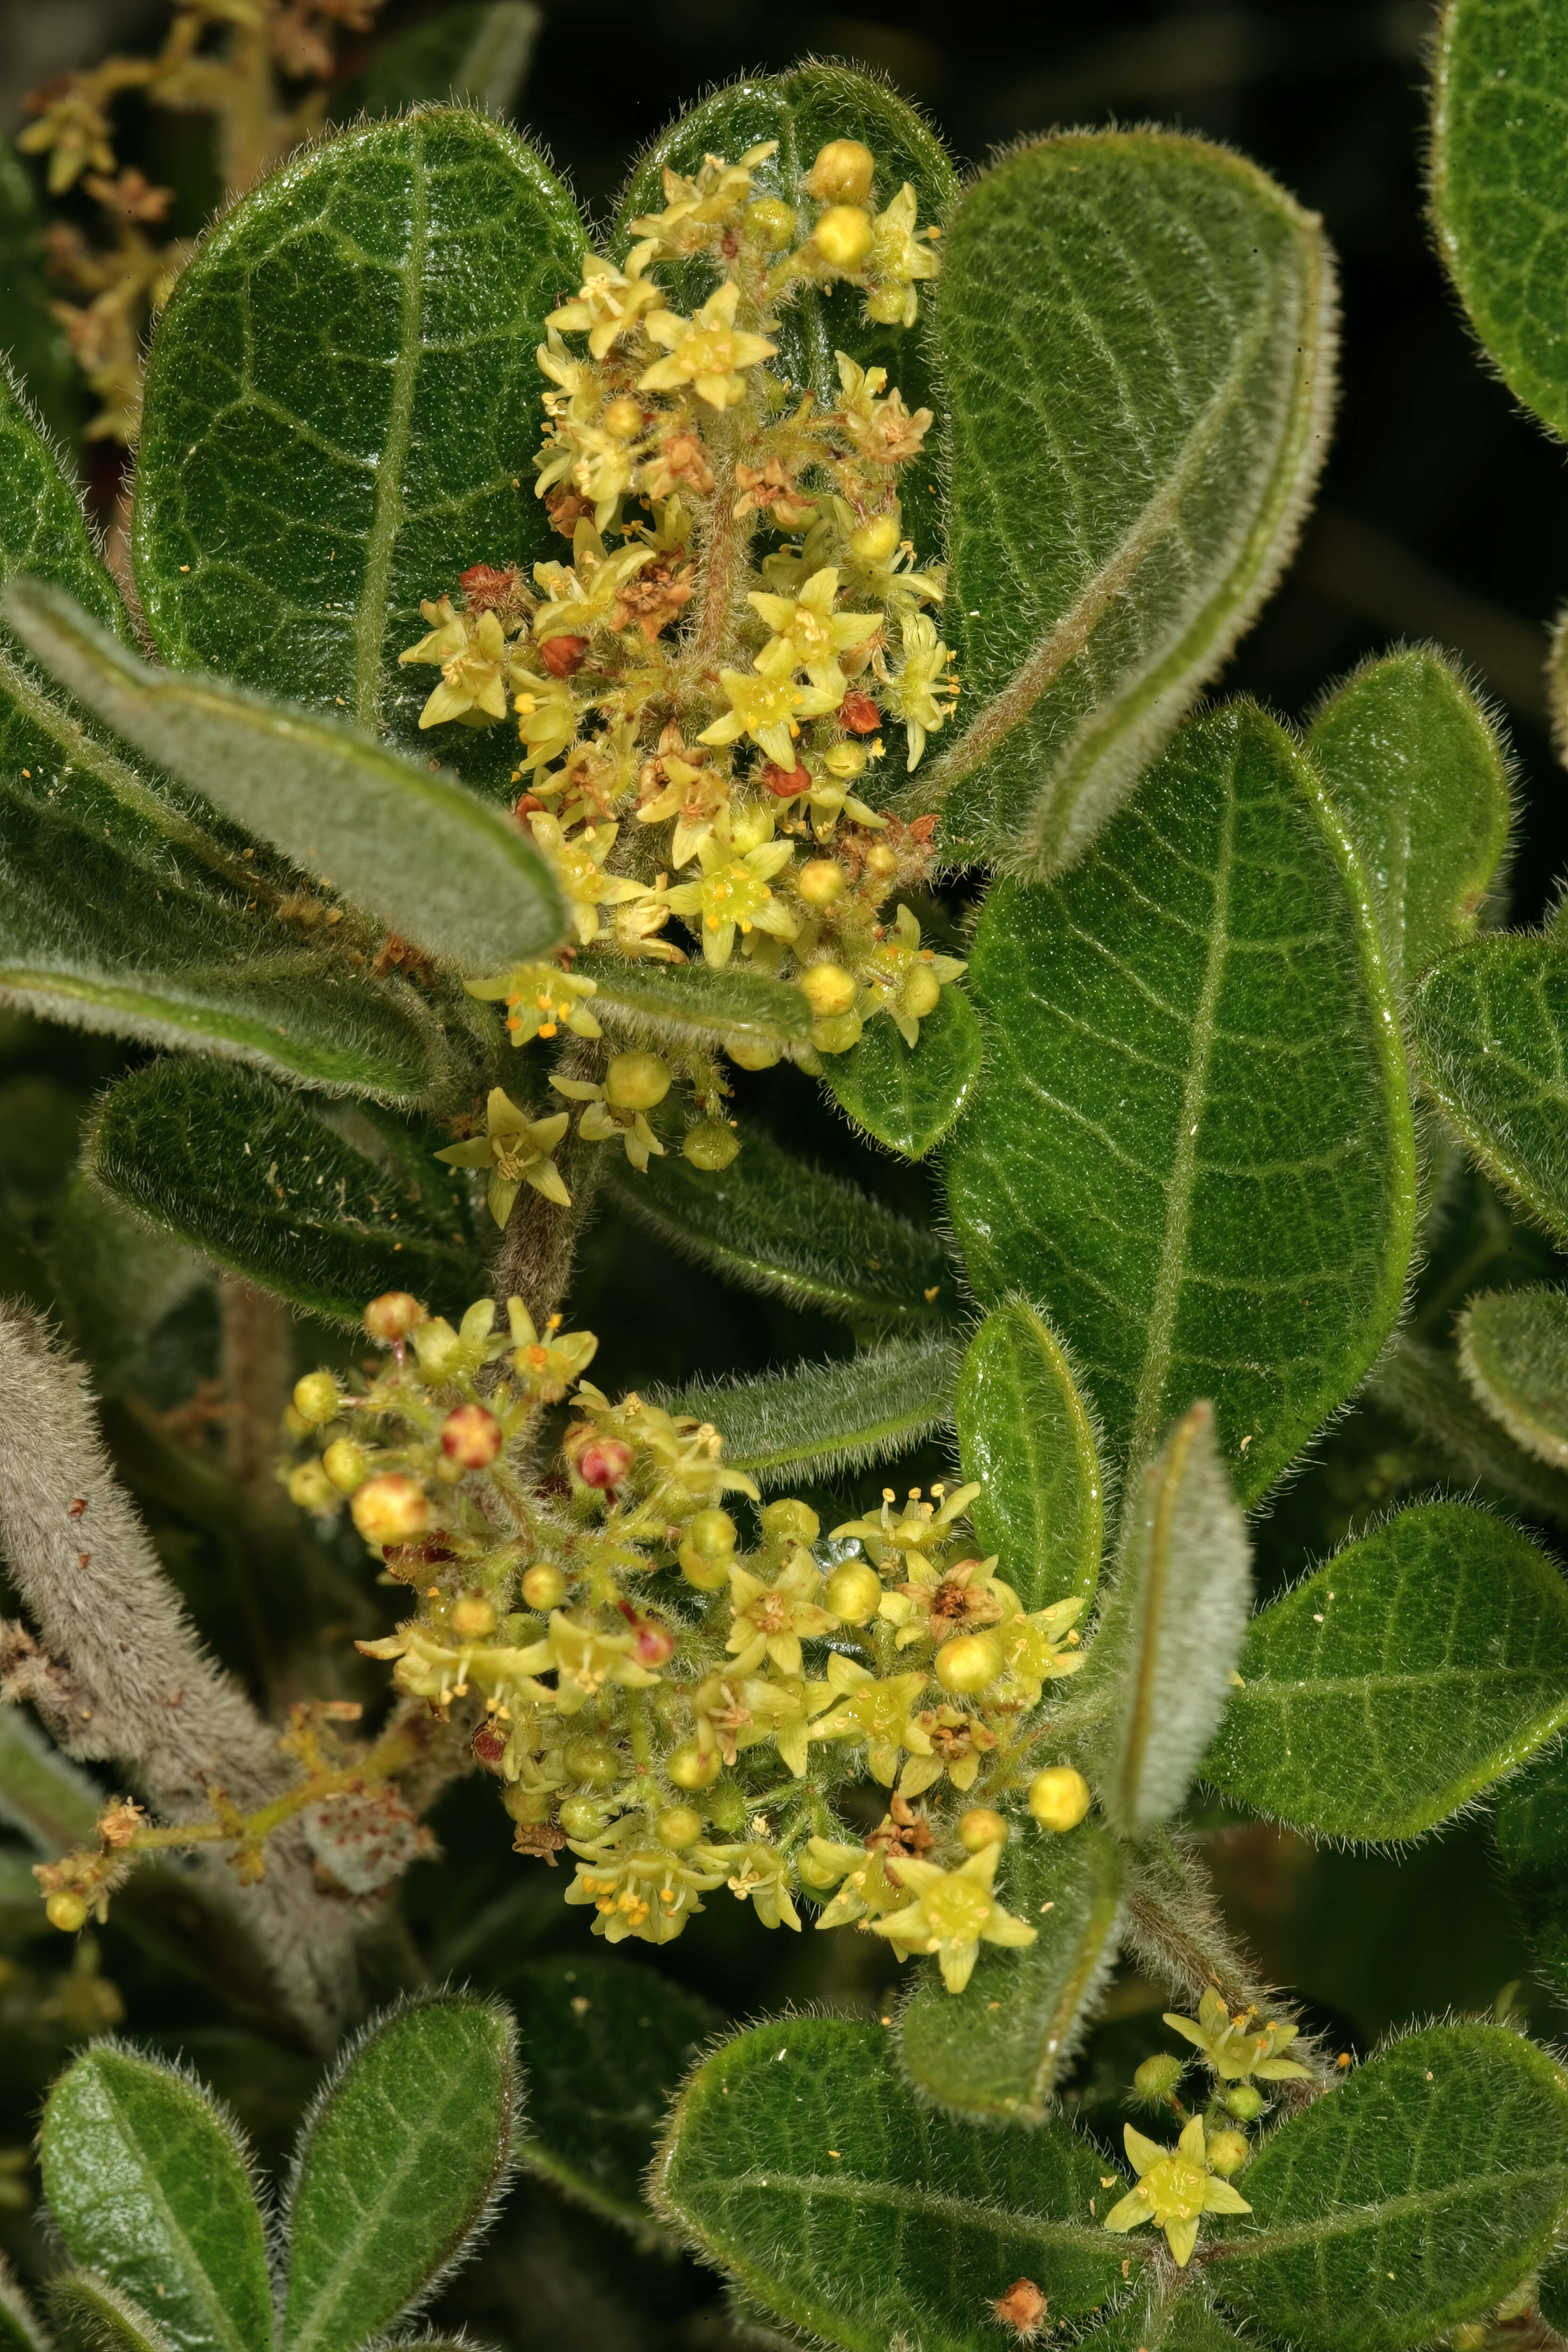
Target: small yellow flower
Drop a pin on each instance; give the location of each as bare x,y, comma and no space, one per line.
906,980
771,1620
1039,1645
540,998
575,863
581,596
953,1912
812,634
763,704
644,1890
604,1115
1236,2047
957,1743
881,428
859,1707
899,261
611,302
1175,2188
858,1872
73,131
546,717
893,1540
473,652
696,208
734,894
760,1872
708,353
547,1367
583,1658
916,689
516,1149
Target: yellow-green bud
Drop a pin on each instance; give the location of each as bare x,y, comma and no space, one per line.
67,1912
312,1489
828,988
844,235
316,1397
390,1509
820,881
346,1465
753,1052
393,1315
689,1767
1228,2151
881,860
771,219
841,173
789,1521
593,1760
711,1146
472,1618
853,1592
623,420
704,1575
979,1828
713,1533
969,1662
585,1817
295,1423
543,1585
919,992
844,762
680,1826
838,1033
1058,1797
1157,2077
877,540
636,1081
1245,2101
525,1804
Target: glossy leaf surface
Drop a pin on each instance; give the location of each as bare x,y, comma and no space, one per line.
1491,1028
1028,1433
342,402
1407,1674
1193,1149
799,2158
1513,1346
908,1097
1137,337
399,2167
819,1418
149,2186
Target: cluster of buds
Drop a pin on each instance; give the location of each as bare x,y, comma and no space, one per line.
702,693
680,1709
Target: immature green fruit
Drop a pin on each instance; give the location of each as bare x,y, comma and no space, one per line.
790,1521
838,1033
844,235
1058,1797
66,1912
828,988
346,1465
1227,2152
585,1817
969,1662
594,1762
1245,2101
390,1509
680,1826
979,1828
854,1593
311,1488
636,1081
874,542
841,173
1157,2077
316,1397
711,1146
753,1052
771,219
472,1618
393,1315
543,1585
820,881
688,1767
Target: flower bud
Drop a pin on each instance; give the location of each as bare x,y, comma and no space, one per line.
593,1760
680,1826
753,1052
636,1081
346,1465
713,1533
859,714
604,1462
816,1872
490,1746
390,1509
294,1423
472,1618
1058,1797
844,235
393,1315
1157,2077
845,761
841,173
820,881
854,1593
920,992
877,540
623,419
470,1437
969,1662
652,1643
839,1035
703,1575
979,1828
437,1346
543,1585
789,1521
881,861
771,218
311,1488
1245,2101
562,656
67,1912
828,988
585,1817
316,1397
1227,2152
689,1767
525,1804
711,1146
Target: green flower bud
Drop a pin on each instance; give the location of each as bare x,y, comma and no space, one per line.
711,1146
689,1767
393,1315
874,542
67,1912
790,1521
316,1397
472,1618
1228,2151
1157,2077
390,1509
312,1489
841,173
346,1465
543,1585
636,1081
1058,1798
585,1817
854,1593
680,1826
821,880
844,235
771,218
828,988
593,1760
1245,2101
838,1033
979,1828
753,1052
969,1662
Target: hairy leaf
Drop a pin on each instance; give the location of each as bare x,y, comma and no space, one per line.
606,2045
19,2327
1137,337
34,340
1412,1670
1169,2316
1491,1028
1426,1388
114,1279
908,1097
475,54
772,1222
1000,2047
694,1000
148,2184
819,1418
1193,1149
398,2166
1532,1839
324,1207
445,870
800,2160
1028,1434
1418,2195
1420,781
1552,2293
1513,1346
51,1799
1500,85
340,403
92,2316
42,527
1172,1628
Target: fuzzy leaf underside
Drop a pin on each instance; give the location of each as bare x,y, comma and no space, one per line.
800,2160
324,1208
1513,1346
444,869
694,1000
1501,87
475,54
1137,339
1409,1674
340,403
1532,1840
908,1097
19,2327
1028,1433
771,1221
1193,1150
1491,1029
149,2186
1415,773
399,2166
1418,2195
1000,2047
812,1420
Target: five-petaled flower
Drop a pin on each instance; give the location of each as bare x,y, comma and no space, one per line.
953,1912
708,351
517,1151
920,691
734,894
1175,2188
611,302
808,629
1236,2047
540,998
771,1619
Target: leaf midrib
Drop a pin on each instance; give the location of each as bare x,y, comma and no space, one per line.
852,2188
223,2327
1357,2218
386,520
1273,1689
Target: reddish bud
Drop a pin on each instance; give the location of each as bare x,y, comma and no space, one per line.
1022,2308
604,1462
471,1436
393,1315
489,586
490,1746
525,804
654,1643
562,655
859,714
786,782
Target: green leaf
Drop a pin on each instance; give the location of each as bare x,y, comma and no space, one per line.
772,1222
1193,1150
1172,1628
1500,85
1419,779
1412,1670
804,109
90,2316
19,2328
473,55
51,1801
35,345
1491,1030
149,2183
1420,2194
1553,2293
1532,1839
1424,1386
1172,2317
443,868
114,1279
908,1097
328,1208
694,1002
1513,1346
606,2045
42,527
800,2160
1028,1434
399,2167
821,1418
1137,337
1000,2047
341,400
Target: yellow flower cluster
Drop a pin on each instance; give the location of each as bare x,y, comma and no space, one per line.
682,1711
